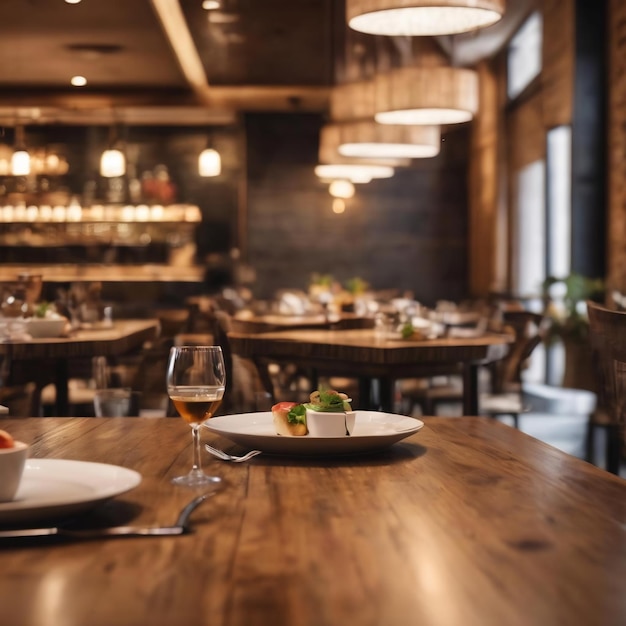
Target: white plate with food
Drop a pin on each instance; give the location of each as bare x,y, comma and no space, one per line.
372,431
54,488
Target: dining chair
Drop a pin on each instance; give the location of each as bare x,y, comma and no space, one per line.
20,400
501,380
607,339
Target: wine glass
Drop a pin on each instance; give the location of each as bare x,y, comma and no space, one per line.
196,378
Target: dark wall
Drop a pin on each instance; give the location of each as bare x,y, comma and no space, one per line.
408,232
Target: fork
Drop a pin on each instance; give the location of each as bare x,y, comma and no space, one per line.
181,527
224,456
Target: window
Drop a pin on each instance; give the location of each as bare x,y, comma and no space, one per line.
559,200
530,229
524,55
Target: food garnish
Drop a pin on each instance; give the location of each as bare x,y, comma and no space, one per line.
329,401
297,414
6,440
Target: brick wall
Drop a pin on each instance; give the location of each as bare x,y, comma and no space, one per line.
408,232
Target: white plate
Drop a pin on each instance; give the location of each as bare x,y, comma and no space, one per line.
59,488
373,431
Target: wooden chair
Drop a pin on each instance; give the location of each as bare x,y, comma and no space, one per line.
21,400
607,338
505,376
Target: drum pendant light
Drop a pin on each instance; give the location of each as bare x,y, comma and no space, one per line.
422,17
426,95
367,139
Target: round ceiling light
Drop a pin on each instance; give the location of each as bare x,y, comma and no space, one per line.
422,17
355,173
426,95
367,139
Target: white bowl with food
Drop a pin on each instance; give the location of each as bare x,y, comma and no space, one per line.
13,455
45,327
330,423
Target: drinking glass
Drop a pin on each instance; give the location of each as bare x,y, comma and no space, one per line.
196,378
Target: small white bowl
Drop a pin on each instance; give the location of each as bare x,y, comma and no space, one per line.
325,424
12,461
44,327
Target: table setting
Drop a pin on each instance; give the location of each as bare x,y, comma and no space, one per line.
396,516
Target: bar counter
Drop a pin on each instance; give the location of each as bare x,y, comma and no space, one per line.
105,273
465,522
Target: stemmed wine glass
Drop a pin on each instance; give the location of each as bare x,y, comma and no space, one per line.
196,378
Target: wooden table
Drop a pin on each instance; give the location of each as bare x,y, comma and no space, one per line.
244,322
54,354
466,522
360,353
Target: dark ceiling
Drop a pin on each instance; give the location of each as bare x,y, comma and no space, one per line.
171,61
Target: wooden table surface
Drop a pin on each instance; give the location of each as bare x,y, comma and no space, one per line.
466,522
361,353
55,353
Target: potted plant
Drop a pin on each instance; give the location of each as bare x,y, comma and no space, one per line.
565,304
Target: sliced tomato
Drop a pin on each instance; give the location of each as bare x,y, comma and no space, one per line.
283,406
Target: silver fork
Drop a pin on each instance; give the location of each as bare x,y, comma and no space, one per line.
224,456
181,527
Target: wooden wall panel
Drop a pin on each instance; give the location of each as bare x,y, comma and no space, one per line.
617,147
483,186
557,75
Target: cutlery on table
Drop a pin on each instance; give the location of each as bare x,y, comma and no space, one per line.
224,456
181,527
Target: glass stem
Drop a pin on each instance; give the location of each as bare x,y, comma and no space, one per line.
195,433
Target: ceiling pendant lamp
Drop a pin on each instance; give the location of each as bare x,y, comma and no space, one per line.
343,189
367,139
20,159
426,95
422,17
333,165
209,161
355,173
113,160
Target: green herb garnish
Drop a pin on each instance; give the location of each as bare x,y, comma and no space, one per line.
297,414
407,330
328,402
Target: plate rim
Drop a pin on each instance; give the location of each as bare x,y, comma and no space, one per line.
314,446
16,510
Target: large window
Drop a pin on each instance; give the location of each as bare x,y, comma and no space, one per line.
524,55
559,201
530,229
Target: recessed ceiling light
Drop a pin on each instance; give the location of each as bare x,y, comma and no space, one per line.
78,81
210,5
72,1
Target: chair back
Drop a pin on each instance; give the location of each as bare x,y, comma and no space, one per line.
529,329
607,338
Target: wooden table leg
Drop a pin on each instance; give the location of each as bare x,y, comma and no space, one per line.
470,389
386,391
61,386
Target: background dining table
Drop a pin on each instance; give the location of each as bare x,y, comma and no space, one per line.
51,356
363,354
464,522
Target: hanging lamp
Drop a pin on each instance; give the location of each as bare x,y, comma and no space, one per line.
20,159
209,161
113,160
332,165
341,188
426,95
367,139
422,17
